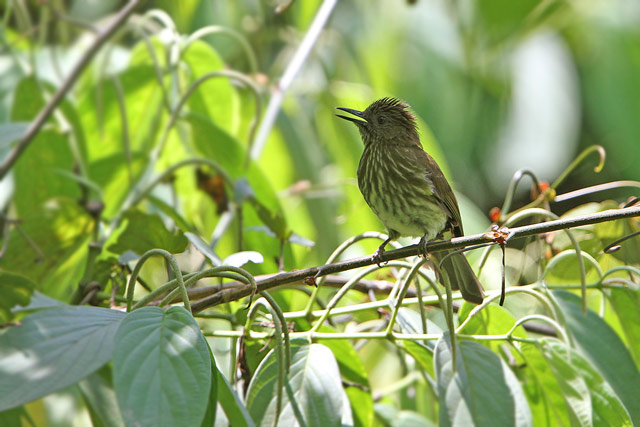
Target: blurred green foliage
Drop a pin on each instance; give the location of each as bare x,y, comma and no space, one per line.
154,141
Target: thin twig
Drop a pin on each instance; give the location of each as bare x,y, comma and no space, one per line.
411,250
43,115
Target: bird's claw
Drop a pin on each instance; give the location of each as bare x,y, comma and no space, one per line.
422,248
377,256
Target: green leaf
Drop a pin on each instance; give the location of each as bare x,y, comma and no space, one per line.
234,410
212,401
39,301
15,290
548,406
49,246
499,19
574,388
161,368
203,248
351,367
410,323
612,91
28,100
53,349
37,172
491,320
353,371
216,98
10,132
313,389
588,396
13,417
140,232
100,398
361,403
625,303
411,419
482,391
603,348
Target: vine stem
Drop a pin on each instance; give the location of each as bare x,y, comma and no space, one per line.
43,115
275,280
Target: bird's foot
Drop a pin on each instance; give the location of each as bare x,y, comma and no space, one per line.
422,247
377,256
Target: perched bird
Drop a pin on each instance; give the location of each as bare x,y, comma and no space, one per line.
406,189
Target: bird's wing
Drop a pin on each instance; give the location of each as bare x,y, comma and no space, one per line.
441,188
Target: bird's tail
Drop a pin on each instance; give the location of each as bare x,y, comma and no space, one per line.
458,273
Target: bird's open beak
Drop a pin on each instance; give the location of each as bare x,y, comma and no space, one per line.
359,120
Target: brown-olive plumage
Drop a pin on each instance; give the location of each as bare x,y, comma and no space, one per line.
406,189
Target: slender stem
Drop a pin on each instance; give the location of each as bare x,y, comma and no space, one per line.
579,160
594,189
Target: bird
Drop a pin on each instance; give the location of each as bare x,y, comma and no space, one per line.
406,189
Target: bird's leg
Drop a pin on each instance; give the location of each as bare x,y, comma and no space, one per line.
377,255
422,246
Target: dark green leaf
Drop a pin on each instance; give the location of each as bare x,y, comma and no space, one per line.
234,410
410,323
603,348
482,391
53,349
212,401
161,368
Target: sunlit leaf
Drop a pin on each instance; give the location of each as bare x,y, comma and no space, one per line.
573,386
588,396
15,290
548,406
625,303
140,232
49,247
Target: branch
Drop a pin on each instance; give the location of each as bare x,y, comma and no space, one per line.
268,282
43,115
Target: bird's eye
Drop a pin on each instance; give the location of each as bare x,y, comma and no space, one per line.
382,119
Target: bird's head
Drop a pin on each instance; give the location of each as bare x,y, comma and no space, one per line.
386,121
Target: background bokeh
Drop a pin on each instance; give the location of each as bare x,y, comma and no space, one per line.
498,86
